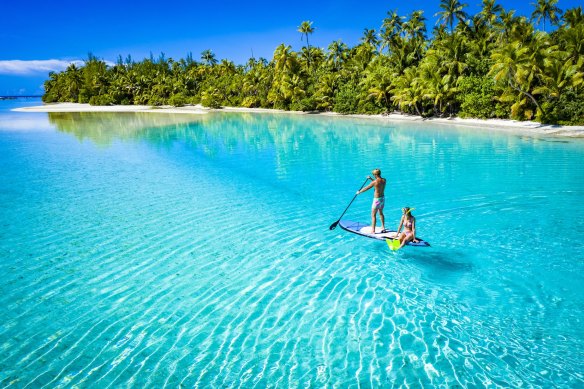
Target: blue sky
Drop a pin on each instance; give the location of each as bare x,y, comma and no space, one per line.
39,36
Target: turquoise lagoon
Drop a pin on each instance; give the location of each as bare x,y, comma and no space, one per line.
152,250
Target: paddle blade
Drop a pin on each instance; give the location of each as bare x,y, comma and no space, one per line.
334,225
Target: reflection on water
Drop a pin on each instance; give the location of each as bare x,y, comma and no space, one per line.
262,130
357,144
103,128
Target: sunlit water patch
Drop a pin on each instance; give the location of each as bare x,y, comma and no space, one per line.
152,250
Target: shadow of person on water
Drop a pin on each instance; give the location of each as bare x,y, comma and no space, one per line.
435,264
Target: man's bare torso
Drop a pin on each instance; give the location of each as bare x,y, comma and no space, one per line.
379,184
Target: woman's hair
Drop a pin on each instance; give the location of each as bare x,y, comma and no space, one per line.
376,172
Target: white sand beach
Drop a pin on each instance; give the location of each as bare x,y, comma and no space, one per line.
75,107
527,127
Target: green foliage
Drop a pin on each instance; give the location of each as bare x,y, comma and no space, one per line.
305,104
156,100
101,100
490,65
84,96
477,66
366,107
178,100
347,99
567,110
476,97
211,98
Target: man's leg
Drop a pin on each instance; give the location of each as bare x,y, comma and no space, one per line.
373,219
382,217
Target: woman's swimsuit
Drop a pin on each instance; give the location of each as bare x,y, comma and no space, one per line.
378,203
408,228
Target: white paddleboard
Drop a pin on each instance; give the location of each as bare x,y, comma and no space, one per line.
364,229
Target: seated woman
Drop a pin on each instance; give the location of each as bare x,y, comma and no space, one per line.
408,221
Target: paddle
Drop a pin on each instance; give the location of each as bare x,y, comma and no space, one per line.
334,225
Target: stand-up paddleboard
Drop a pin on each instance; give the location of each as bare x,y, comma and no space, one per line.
364,229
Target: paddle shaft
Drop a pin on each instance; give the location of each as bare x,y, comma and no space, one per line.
334,225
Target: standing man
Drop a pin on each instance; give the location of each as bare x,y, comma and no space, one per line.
378,198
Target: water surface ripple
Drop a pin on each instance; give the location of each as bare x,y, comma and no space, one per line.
143,250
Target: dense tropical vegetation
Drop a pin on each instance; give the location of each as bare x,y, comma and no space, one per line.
494,64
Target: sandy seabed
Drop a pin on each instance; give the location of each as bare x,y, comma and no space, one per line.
527,127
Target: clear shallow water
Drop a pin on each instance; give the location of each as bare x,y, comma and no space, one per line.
153,250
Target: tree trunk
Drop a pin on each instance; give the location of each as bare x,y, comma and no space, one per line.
528,95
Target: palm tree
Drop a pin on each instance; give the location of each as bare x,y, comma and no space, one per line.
489,11
451,53
546,9
515,70
439,32
391,29
337,53
559,75
407,91
227,67
304,29
359,59
285,59
256,84
415,27
377,82
452,9
208,58
437,87
369,38
317,56
287,89
305,56
574,17
52,92
325,91
481,37
506,24
94,73
572,42
73,81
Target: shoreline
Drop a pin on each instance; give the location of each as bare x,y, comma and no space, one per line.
504,125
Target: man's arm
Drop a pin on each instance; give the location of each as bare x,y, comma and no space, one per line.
367,187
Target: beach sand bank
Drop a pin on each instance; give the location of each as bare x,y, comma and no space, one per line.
75,107
527,128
